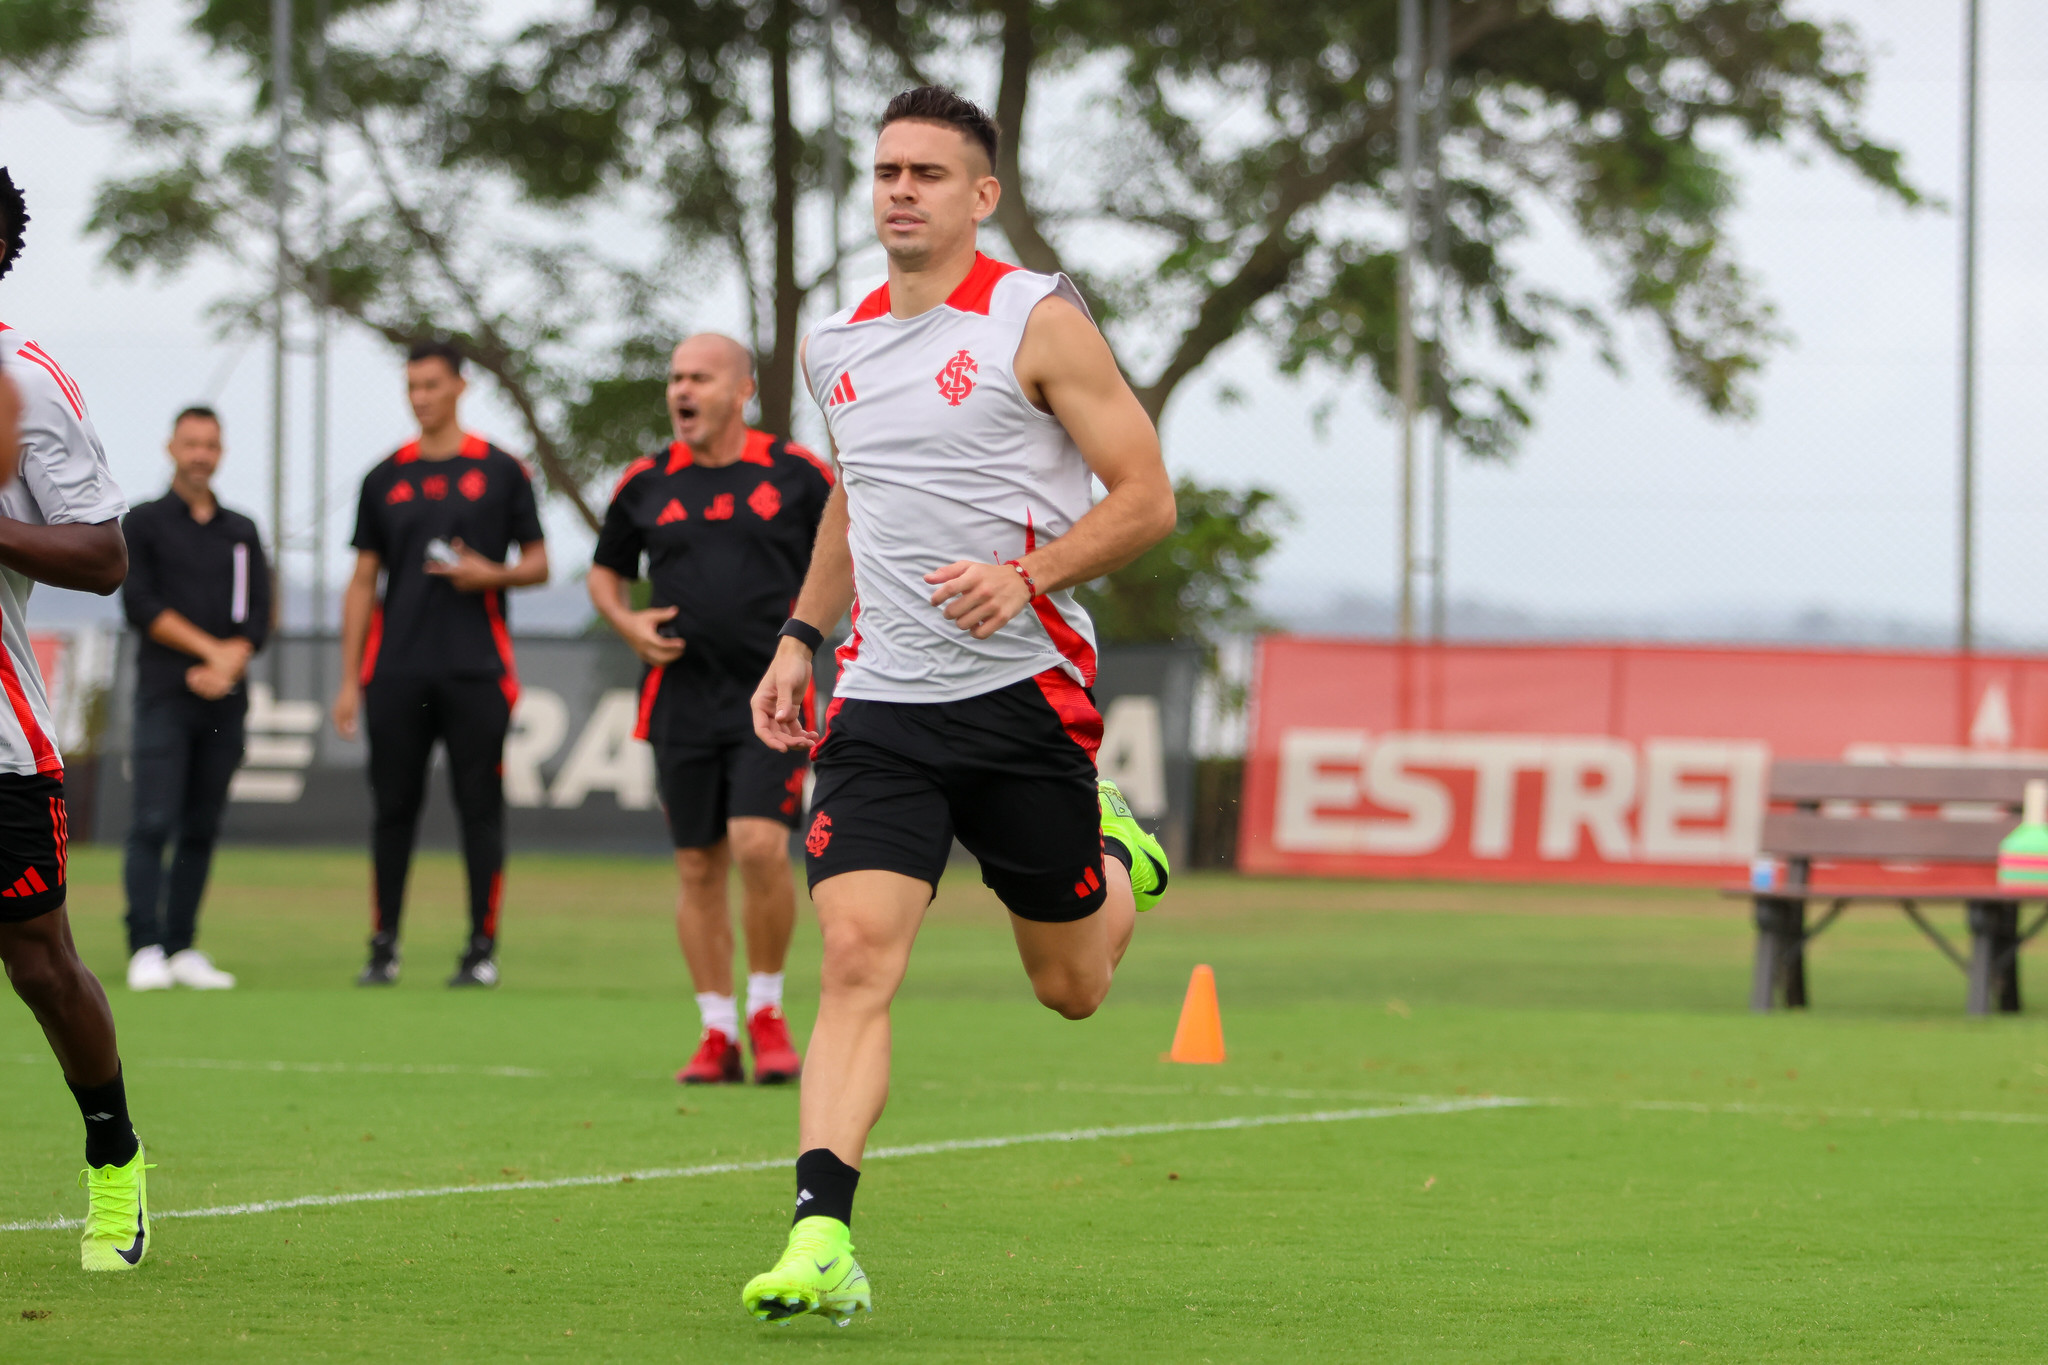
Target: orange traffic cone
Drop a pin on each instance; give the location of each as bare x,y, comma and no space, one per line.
1199,1038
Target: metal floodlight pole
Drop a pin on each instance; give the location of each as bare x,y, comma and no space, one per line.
1966,624
322,295
1404,295
835,164
1439,269
280,99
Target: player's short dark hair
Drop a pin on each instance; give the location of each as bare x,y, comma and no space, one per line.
436,350
937,104
13,219
198,412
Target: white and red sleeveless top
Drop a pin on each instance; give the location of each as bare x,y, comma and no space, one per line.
945,459
64,479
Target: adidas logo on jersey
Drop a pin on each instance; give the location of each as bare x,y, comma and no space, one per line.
672,513
842,392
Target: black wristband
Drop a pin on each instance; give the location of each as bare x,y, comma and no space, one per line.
803,631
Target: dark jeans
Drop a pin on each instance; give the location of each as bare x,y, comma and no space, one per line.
186,750
403,716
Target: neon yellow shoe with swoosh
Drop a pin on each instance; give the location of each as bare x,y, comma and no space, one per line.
1148,859
116,1216
817,1274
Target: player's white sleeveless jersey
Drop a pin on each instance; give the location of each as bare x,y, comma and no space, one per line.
64,479
945,459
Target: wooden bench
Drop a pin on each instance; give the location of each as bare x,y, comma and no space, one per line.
1861,813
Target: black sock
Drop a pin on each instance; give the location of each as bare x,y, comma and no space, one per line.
109,1137
1114,847
824,1186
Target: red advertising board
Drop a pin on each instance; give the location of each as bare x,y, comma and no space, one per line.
1625,763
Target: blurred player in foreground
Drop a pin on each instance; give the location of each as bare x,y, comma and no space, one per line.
968,403
59,524
198,593
430,658
726,517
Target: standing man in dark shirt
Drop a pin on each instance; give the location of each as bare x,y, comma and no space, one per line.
726,517
198,592
431,658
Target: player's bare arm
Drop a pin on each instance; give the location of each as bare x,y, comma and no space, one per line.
827,594
10,428
1066,369
641,630
358,601
82,557
473,572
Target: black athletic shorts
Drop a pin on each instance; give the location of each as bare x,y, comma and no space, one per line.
34,839
705,785
1010,772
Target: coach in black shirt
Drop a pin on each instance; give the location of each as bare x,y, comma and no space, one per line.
430,658
198,592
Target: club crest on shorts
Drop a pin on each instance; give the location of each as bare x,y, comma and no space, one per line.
956,381
820,837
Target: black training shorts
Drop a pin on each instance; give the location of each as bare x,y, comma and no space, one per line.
34,839
1010,772
705,785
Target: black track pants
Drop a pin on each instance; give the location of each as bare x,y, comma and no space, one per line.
185,754
403,716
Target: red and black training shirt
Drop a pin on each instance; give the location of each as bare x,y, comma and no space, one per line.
728,548
482,497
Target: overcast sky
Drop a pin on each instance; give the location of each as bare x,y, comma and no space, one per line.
1626,501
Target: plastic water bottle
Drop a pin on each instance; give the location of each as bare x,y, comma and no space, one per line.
2023,854
1763,874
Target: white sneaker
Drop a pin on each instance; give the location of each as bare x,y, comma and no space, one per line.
148,971
190,967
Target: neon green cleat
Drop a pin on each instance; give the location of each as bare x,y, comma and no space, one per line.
1148,859
817,1274
117,1215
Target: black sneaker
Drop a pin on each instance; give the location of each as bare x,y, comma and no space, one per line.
382,969
478,967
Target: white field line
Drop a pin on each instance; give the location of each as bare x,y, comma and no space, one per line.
321,1201
309,1068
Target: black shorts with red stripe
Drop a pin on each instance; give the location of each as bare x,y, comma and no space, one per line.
34,843
1010,773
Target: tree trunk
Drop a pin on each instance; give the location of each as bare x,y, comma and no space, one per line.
1013,210
778,379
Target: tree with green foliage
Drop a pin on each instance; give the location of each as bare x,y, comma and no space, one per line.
1208,171
39,39
1194,585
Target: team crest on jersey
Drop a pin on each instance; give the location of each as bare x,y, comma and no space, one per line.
956,381
473,484
435,486
400,492
766,500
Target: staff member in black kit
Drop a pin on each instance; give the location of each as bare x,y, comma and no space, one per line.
725,517
431,659
198,592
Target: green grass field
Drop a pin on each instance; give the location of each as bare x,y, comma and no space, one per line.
1691,1184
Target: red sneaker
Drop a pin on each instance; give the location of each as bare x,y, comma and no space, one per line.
717,1062
775,1059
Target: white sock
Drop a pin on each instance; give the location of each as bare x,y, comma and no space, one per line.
763,989
720,1012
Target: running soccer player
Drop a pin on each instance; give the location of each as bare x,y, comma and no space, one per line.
968,403
726,517
59,524
431,658
198,593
